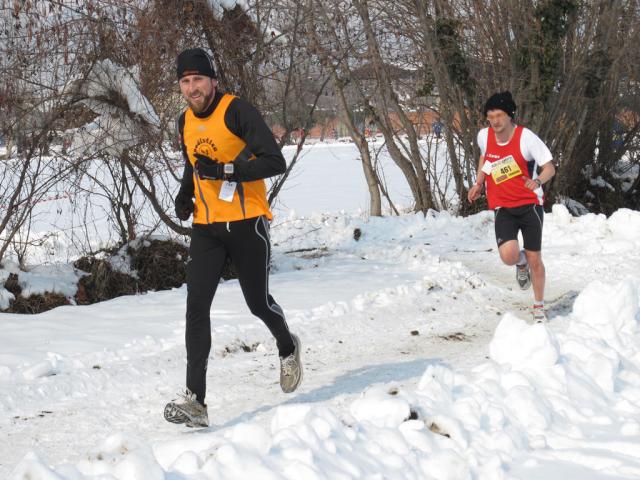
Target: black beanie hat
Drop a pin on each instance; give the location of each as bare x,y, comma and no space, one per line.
195,61
501,101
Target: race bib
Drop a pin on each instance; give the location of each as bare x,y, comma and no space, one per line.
505,169
227,190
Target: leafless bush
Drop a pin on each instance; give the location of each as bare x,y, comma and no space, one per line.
89,97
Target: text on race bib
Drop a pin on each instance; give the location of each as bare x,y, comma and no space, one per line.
226,191
505,169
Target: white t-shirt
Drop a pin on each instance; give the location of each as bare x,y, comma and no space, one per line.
531,147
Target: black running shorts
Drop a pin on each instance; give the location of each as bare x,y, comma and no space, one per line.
527,219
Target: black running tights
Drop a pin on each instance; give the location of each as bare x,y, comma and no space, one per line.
247,243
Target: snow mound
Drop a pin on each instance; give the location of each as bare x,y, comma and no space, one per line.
540,395
520,345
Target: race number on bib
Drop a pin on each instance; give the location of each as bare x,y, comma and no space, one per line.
505,169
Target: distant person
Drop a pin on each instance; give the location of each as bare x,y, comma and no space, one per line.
437,129
66,144
228,151
618,134
510,157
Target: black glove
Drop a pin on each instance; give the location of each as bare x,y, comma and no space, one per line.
184,206
208,169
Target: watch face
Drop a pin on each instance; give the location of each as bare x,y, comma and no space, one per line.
228,168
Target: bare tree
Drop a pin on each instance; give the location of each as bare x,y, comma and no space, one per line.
89,98
564,61
33,65
335,48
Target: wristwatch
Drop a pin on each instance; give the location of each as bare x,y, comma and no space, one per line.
228,169
537,180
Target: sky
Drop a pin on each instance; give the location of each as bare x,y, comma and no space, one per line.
421,358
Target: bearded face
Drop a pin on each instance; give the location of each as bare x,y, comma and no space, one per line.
198,91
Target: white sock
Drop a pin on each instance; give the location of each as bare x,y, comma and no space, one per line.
538,304
523,258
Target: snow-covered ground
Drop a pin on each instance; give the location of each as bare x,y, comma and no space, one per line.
420,361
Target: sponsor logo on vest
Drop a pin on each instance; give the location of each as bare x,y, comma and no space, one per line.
205,146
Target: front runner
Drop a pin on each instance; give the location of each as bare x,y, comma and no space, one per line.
509,161
228,151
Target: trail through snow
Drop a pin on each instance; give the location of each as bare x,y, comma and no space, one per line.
410,294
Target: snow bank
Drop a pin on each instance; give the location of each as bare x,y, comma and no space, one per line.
117,127
54,278
625,223
5,295
557,401
218,7
539,397
107,77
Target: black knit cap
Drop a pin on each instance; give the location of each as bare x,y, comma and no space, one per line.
501,101
194,61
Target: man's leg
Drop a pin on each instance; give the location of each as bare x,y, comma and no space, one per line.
250,249
532,235
509,252
206,259
507,225
506,229
537,274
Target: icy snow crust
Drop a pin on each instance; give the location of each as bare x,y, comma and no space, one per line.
476,391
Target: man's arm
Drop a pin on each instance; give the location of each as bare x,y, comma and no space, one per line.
534,148
548,170
476,190
186,184
244,120
184,199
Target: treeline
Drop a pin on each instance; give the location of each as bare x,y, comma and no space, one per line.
89,97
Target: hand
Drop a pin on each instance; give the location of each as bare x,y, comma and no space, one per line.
183,205
532,184
474,192
207,168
